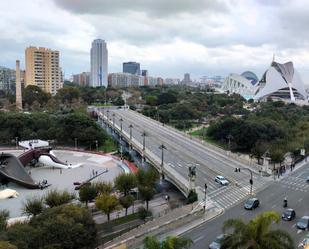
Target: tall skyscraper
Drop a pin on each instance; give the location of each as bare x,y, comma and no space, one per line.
43,69
19,104
99,63
131,67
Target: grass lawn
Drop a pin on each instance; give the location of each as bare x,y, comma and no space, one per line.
202,135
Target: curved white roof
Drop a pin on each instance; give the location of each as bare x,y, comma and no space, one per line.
281,80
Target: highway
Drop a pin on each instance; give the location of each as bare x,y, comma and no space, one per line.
294,187
183,152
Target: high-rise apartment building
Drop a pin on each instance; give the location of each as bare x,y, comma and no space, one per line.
43,69
99,63
131,67
82,79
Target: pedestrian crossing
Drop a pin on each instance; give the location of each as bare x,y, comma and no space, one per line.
227,196
295,183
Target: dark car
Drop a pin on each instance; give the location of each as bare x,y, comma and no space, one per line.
303,223
251,203
288,214
216,244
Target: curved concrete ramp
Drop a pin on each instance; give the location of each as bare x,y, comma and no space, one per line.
12,169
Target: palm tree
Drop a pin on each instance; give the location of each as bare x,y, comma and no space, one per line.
170,242
256,234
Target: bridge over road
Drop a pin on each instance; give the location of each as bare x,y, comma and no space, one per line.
182,152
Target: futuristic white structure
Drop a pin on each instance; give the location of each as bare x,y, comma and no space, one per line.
281,81
236,83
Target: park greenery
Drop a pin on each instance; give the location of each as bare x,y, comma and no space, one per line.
255,234
55,222
170,242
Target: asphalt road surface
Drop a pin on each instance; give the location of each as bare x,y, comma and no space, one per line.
183,152
293,186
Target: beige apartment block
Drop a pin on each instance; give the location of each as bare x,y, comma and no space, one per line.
43,69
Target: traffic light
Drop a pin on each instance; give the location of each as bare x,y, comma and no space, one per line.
251,181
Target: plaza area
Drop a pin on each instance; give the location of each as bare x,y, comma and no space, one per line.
91,165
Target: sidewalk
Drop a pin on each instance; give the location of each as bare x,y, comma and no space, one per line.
175,222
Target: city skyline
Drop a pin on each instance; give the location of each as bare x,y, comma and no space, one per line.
200,37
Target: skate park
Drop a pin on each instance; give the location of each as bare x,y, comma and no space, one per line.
29,172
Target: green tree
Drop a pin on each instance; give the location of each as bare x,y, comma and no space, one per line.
24,236
125,182
4,215
55,197
107,204
87,192
170,242
33,206
103,187
7,245
34,93
147,193
66,226
256,233
126,202
68,94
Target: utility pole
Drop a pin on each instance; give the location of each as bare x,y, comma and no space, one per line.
75,139
143,152
16,142
97,145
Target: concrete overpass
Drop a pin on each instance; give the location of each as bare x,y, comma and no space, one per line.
181,153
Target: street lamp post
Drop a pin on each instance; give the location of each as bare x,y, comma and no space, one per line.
114,121
162,148
144,147
121,120
130,127
97,145
75,142
205,197
16,142
229,137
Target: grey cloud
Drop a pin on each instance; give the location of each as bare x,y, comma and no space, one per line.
156,8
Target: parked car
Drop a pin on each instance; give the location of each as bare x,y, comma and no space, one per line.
303,223
252,203
221,180
216,244
288,214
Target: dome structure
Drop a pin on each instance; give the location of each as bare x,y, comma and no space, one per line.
250,76
281,81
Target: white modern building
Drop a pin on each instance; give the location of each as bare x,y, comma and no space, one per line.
236,83
281,81
99,63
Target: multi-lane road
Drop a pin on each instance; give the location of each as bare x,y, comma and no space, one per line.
183,152
293,186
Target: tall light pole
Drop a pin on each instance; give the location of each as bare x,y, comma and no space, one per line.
75,142
162,148
144,147
229,137
121,120
113,121
205,197
107,114
97,145
130,127
16,142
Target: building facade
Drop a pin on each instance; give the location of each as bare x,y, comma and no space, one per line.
186,79
125,80
99,63
82,79
6,79
43,69
131,67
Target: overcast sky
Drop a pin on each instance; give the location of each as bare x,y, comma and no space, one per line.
168,37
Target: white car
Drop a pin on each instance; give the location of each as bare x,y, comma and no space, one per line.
221,180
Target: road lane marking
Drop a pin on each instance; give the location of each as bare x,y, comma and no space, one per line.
299,231
197,239
273,206
300,199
